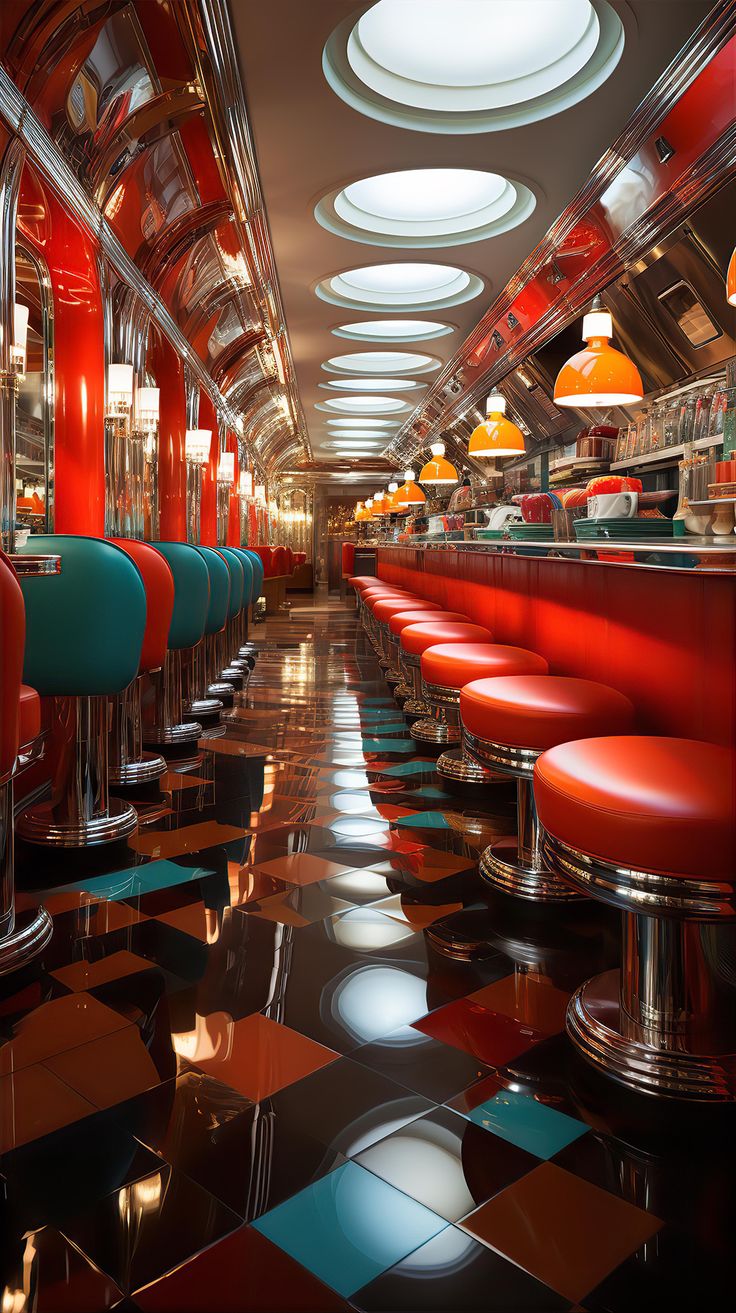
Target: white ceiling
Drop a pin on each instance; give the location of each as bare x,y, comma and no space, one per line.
310,143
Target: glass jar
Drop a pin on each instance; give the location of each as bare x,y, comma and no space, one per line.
702,412
717,409
656,426
672,412
687,416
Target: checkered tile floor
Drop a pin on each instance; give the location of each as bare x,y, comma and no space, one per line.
248,1076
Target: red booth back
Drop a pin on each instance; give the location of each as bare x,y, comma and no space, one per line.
12,642
348,558
667,639
278,561
158,582
266,555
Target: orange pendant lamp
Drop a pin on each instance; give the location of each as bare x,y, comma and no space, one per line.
438,469
496,436
731,280
390,499
379,505
369,508
409,494
599,375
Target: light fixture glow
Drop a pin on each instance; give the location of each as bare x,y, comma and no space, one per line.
382,362
426,207
226,467
365,423
393,330
599,376
197,445
365,405
147,401
496,436
410,494
438,469
463,66
20,340
731,280
409,286
245,484
119,390
373,384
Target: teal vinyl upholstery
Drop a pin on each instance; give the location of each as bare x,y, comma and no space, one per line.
248,582
219,590
191,593
84,626
258,573
236,582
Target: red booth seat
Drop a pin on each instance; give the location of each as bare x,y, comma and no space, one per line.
348,558
30,714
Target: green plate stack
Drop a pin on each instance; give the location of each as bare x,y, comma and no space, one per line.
623,530
531,532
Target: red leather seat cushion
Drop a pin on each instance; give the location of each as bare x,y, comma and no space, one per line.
654,804
30,714
539,711
386,607
158,582
415,639
361,581
411,616
450,665
370,599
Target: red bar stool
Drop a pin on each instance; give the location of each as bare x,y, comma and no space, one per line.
445,669
506,724
383,610
648,825
370,599
128,764
415,639
396,626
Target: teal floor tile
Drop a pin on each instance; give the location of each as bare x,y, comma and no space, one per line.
349,1227
530,1125
136,880
424,821
419,767
388,745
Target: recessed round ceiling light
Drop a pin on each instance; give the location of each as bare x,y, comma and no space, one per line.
365,405
344,444
460,66
393,330
426,207
365,422
409,286
374,384
382,362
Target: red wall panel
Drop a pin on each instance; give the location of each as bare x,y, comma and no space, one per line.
666,638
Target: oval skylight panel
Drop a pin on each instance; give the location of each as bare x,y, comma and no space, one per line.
369,384
460,66
364,405
426,207
382,362
393,330
364,423
408,286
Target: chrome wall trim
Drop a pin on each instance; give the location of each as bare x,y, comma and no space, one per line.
502,756
10,175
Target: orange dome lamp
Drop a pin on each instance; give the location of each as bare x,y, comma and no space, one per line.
379,504
390,499
410,494
598,376
438,469
731,279
496,436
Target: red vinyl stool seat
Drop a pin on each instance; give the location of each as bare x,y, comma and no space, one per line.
370,599
30,714
445,669
648,825
383,610
396,625
506,724
415,639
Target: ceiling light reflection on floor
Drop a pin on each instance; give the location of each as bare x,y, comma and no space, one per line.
403,286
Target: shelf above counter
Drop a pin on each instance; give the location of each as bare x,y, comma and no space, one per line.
707,556
666,455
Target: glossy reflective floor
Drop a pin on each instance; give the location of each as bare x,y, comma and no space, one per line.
285,1053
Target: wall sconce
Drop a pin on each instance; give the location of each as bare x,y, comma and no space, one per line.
245,487
20,340
119,392
226,467
225,481
145,458
119,456
197,444
260,493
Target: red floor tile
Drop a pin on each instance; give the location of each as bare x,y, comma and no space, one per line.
258,1056
34,1102
492,1038
61,1024
109,1070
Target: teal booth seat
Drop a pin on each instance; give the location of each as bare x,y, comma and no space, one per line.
235,605
258,573
191,593
219,590
84,626
247,567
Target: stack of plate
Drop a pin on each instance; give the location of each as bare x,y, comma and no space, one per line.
623,530
531,532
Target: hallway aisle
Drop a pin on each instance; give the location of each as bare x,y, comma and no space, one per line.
285,1052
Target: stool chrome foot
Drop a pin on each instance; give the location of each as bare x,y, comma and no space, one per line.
40,825
31,934
639,1057
415,707
402,692
150,766
501,867
208,706
189,731
439,732
461,769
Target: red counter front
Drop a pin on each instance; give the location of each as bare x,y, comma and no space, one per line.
666,638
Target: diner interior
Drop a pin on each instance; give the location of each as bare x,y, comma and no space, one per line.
367,651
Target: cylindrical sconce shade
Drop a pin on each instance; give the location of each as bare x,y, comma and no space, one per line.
197,445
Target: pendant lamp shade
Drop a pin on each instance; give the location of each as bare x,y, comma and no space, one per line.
731,280
496,436
438,469
409,494
599,376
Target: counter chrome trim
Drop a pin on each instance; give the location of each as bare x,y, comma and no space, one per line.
501,756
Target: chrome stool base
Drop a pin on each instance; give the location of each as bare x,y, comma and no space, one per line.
430,730
461,769
403,691
39,825
189,731
31,934
614,1044
415,707
500,867
150,766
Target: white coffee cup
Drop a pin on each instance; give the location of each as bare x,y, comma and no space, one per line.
613,505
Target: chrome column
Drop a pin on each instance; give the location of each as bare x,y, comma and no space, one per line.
10,175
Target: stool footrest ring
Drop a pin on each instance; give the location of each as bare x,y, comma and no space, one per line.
500,867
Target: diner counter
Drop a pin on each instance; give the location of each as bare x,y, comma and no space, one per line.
666,637
706,555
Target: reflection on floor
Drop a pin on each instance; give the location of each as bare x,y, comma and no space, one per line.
285,1053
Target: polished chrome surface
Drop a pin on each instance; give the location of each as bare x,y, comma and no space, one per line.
31,934
517,865
10,174
164,723
503,756
33,567
127,762
458,767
